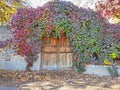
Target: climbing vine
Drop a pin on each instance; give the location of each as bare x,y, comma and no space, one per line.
83,27
108,8
111,10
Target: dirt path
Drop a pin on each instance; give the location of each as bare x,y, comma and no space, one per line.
68,85
57,80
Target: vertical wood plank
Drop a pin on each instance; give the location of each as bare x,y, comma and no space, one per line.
57,54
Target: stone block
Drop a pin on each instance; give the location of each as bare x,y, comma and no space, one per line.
118,70
17,62
99,70
15,65
36,65
89,69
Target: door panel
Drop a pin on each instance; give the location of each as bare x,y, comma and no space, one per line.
50,50
65,50
49,60
65,60
49,53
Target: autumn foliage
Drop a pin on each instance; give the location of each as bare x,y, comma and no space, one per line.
7,8
108,8
30,25
88,31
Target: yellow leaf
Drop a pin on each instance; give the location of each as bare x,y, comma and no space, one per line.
7,9
114,55
107,62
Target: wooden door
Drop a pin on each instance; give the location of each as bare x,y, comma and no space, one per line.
56,53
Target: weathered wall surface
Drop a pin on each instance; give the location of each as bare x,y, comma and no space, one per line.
9,60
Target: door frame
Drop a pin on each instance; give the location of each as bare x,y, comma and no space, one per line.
58,56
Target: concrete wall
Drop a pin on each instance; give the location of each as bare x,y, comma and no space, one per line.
99,70
9,60
18,63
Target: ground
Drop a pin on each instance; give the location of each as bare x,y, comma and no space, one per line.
57,80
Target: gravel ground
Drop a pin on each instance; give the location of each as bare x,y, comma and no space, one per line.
17,78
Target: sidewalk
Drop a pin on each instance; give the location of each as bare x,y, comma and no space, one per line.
67,85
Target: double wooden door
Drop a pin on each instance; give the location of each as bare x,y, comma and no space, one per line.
56,53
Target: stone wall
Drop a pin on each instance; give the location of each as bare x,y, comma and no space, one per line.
9,60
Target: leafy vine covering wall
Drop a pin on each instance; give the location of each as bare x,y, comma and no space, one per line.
84,27
110,9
